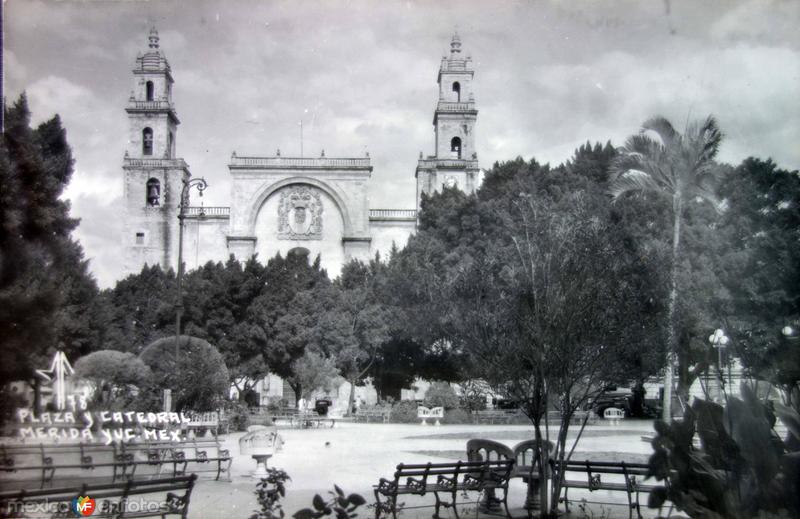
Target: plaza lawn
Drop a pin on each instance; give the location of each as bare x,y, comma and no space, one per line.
358,455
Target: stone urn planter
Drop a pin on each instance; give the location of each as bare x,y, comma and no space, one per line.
261,442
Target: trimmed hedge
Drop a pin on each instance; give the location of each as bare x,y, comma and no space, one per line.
404,411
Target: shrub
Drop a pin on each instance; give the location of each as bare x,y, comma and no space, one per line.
237,415
404,411
10,401
271,489
200,380
116,377
742,468
457,416
473,402
441,394
275,406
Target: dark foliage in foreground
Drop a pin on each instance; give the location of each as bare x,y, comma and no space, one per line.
741,469
272,489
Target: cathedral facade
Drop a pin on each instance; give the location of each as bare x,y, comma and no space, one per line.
278,204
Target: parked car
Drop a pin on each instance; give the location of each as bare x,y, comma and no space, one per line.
614,397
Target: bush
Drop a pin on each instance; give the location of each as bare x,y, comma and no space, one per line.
404,411
276,406
742,468
117,377
237,415
457,416
473,402
10,401
441,394
200,381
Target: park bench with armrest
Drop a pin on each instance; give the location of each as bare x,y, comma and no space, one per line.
179,455
374,414
493,416
112,499
40,457
628,479
208,421
72,462
286,414
311,419
442,478
87,461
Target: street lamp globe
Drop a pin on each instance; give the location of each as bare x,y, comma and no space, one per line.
718,339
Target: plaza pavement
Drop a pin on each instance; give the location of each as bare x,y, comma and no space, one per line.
358,455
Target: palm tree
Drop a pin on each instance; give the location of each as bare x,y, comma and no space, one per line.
682,168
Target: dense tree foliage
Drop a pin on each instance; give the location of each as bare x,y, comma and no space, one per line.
139,309
759,271
217,309
313,372
116,377
551,313
46,292
199,380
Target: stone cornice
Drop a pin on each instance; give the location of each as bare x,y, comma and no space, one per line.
300,163
148,163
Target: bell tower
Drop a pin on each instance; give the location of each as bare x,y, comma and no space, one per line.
153,176
455,163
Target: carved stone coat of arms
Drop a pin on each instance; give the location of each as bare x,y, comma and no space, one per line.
300,214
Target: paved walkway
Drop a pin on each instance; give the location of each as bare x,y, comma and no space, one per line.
356,456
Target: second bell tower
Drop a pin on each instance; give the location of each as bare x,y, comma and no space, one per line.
455,163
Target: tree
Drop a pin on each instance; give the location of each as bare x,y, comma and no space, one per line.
115,375
140,309
535,286
294,334
364,321
759,269
549,315
680,167
44,280
218,298
311,372
279,317
198,382
441,394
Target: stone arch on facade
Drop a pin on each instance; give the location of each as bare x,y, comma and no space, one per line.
269,190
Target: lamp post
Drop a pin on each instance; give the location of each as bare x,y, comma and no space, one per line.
719,340
201,185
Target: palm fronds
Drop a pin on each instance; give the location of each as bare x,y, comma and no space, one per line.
677,165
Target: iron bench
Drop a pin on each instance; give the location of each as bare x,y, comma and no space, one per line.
442,478
112,500
179,455
376,414
628,475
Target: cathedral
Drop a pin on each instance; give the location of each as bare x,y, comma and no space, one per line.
278,204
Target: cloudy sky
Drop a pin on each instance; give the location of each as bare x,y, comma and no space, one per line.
362,77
